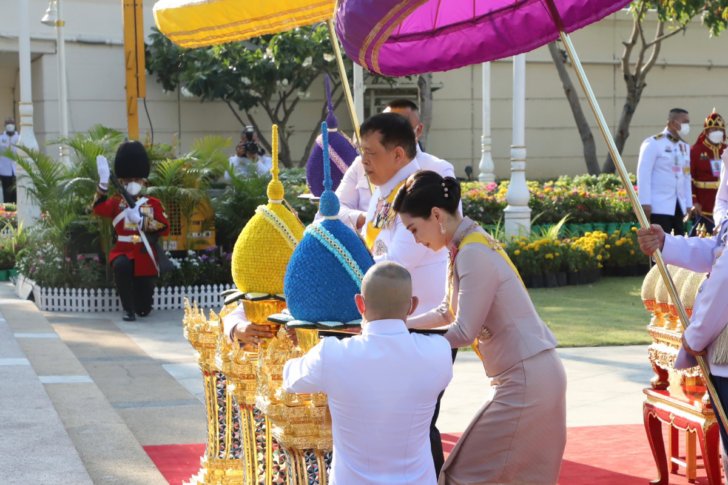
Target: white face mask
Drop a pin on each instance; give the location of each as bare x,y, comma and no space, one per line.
716,137
684,130
10,128
133,188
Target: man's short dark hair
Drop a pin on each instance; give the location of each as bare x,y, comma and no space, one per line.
403,104
394,131
675,112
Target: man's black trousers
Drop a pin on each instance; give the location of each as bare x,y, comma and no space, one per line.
670,223
136,292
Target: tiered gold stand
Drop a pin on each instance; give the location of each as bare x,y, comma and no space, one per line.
222,463
258,433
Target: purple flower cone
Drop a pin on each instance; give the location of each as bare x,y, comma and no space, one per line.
342,154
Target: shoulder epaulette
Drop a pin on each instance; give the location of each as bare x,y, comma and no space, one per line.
659,136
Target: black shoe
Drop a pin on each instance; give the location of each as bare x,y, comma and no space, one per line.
129,316
144,313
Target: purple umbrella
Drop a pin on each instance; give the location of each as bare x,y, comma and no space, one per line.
405,37
399,38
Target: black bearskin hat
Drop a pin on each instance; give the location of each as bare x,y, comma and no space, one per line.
132,161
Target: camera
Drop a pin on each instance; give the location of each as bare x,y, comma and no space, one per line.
250,146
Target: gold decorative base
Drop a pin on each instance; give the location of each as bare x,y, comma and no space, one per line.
257,433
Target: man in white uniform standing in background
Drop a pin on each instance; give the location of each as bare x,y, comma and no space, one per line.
8,139
664,182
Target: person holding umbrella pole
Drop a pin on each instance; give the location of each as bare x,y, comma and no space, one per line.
138,221
707,334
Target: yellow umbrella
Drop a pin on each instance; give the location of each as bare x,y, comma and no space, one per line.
198,23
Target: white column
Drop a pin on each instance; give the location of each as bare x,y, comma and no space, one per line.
359,92
28,212
486,165
518,214
63,89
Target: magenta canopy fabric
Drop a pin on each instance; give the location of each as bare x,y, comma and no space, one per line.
405,37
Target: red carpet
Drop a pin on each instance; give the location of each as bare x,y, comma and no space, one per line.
598,455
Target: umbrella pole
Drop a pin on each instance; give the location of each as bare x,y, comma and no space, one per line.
641,217
347,89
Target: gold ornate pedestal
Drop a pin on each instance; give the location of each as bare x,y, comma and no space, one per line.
258,433
264,461
678,397
222,463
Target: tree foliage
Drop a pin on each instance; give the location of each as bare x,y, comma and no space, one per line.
272,72
673,17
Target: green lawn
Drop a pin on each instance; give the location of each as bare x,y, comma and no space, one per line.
606,313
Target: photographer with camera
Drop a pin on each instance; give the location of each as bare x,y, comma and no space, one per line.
249,158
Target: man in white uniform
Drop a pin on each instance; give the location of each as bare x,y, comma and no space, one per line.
353,191
8,139
720,210
663,175
389,157
381,385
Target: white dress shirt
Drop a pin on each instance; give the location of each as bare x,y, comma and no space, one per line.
663,174
720,209
244,166
382,387
427,267
710,311
7,165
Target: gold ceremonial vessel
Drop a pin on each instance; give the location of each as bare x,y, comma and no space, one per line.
687,385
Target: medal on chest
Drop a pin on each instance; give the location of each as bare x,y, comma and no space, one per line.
384,215
380,248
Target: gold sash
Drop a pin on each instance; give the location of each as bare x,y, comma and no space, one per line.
477,237
373,232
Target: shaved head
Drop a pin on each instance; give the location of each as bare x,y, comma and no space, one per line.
387,292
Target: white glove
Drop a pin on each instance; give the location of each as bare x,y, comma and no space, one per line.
102,165
133,215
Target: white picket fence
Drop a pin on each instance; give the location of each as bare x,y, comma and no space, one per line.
106,299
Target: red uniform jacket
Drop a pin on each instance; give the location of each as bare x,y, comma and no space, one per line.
154,221
705,183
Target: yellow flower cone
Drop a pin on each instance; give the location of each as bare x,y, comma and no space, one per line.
267,242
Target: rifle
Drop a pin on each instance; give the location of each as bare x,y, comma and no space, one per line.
164,264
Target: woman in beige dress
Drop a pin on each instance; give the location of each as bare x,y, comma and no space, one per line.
519,435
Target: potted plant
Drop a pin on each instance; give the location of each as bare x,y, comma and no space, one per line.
7,261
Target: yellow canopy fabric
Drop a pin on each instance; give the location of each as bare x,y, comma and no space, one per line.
198,23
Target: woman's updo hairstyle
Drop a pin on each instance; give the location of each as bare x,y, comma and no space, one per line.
424,190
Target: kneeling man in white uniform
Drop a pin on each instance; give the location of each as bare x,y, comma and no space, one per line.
382,386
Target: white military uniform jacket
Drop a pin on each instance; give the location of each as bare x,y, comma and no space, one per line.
7,165
427,267
710,312
721,197
663,174
382,388
354,194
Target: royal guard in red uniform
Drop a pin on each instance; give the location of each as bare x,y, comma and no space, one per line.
705,165
134,257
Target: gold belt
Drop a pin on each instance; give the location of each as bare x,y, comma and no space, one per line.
707,185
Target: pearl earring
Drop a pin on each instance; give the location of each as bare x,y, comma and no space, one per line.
442,229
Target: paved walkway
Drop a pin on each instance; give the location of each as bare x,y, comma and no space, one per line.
81,393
